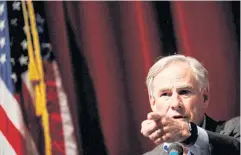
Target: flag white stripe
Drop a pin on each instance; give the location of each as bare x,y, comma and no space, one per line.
25,79
68,130
14,114
6,148
11,107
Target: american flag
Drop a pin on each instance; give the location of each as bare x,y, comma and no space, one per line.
21,130
13,131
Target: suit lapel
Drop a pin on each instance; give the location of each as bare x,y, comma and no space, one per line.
212,125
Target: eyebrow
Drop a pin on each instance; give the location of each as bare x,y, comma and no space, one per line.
178,88
185,87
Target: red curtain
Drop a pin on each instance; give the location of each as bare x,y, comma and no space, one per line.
120,41
206,31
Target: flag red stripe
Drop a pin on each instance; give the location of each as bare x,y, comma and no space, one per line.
13,136
55,119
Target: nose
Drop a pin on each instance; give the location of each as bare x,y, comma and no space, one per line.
176,102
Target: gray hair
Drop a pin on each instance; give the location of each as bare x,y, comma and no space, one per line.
200,73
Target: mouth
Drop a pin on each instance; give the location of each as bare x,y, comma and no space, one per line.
179,117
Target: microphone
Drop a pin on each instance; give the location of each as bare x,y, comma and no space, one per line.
175,149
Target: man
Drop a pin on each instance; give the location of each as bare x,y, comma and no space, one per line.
178,90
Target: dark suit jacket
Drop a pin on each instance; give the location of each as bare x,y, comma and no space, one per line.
224,138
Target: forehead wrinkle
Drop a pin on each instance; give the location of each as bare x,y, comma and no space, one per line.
174,76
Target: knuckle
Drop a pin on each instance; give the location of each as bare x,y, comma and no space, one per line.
168,135
158,141
165,129
151,137
155,135
145,133
159,131
164,120
164,138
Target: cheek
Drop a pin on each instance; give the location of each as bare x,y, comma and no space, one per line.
192,103
194,108
161,107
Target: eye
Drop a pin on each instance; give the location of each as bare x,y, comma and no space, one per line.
165,94
185,92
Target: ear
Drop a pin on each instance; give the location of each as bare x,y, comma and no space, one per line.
152,103
206,97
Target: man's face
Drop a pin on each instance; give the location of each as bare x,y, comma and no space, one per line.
176,93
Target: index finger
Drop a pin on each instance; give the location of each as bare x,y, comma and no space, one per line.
154,116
